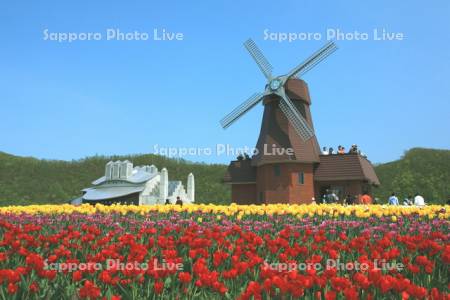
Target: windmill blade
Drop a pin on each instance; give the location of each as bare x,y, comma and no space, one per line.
313,60
241,110
317,61
259,58
299,123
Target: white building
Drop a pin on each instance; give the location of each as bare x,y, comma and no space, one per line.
138,185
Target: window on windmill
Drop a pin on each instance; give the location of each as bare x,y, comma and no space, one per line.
276,170
301,178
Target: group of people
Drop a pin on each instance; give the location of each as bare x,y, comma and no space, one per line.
331,197
244,156
178,202
341,150
417,200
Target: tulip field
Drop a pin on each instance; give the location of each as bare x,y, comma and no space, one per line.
224,252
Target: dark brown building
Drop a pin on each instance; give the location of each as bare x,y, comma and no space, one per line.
345,174
289,169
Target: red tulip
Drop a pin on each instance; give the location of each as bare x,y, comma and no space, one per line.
158,287
184,277
89,290
77,276
12,288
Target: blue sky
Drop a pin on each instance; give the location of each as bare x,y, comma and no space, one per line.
71,100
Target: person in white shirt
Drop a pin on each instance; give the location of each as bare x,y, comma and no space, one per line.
393,200
419,200
325,151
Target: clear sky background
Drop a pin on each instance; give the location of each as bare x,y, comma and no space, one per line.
71,100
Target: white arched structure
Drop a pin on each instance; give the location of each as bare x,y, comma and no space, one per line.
138,185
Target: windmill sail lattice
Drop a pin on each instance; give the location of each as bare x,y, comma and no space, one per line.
260,59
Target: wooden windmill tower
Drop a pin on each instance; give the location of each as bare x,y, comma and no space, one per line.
287,175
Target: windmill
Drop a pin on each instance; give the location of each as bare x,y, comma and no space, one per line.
276,85
286,124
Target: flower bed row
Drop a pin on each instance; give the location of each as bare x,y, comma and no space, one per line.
224,252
